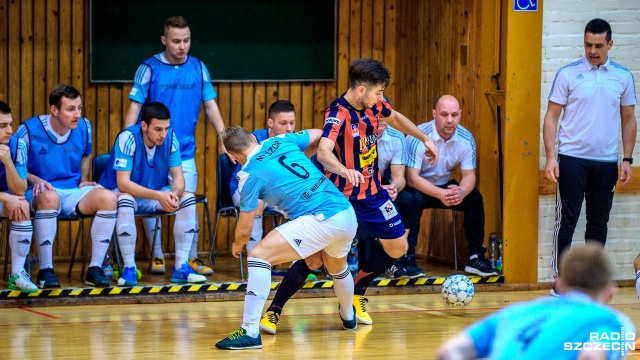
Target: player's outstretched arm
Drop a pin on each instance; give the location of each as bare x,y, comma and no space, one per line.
132,114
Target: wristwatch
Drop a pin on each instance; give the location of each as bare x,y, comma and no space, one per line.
629,159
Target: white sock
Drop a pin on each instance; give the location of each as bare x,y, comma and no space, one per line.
103,224
256,233
45,226
20,243
258,287
638,283
126,230
194,242
343,287
183,228
149,225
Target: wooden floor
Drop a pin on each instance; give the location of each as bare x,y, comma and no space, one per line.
405,327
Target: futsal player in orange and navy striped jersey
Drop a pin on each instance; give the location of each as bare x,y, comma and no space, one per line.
348,152
354,132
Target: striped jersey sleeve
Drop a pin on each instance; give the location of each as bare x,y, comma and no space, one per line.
124,151
174,155
21,159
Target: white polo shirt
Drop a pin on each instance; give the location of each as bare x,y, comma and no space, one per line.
591,96
460,149
390,149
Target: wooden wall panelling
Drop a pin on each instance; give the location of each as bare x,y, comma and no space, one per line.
355,27
366,29
64,42
26,56
390,24
52,20
271,95
306,110
319,105
39,65
4,51
259,106
295,96
13,68
344,21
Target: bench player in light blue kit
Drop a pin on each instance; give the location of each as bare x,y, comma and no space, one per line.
141,159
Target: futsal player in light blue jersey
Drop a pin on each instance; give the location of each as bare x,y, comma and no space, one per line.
141,159
323,222
13,184
59,159
181,82
282,120
575,326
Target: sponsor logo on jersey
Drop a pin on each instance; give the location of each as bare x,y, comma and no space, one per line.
332,120
42,151
120,162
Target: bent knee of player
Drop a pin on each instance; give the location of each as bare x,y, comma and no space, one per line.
395,248
314,261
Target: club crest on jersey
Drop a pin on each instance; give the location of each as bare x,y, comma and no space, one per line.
388,210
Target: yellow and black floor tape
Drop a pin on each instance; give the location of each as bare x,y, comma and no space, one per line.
173,289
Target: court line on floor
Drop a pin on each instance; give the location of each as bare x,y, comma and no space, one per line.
39,313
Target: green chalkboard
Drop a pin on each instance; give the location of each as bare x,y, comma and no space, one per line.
238,40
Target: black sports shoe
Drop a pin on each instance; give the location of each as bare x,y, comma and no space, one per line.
349,324
397,270
47,279
96,277
479,266
413,270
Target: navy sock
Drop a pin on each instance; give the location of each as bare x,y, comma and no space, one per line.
293,281
377,263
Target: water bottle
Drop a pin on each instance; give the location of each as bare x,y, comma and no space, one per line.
492,252
499,258
352,258
107,266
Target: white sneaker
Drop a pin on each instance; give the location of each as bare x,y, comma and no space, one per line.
21,281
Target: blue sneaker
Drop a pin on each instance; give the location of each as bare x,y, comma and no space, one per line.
186,274
239,340
129,277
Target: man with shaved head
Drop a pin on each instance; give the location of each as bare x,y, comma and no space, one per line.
430,184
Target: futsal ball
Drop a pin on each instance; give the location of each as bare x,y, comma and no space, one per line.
457,290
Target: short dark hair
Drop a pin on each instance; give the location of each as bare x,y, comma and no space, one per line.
4,108
586,268
599,26
280,106
368,72
61,90
175,22
155,110
236,139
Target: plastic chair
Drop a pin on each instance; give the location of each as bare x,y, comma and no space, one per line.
224,204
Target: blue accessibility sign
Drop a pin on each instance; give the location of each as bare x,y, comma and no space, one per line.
525,5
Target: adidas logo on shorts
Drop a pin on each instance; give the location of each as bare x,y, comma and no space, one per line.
297,241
